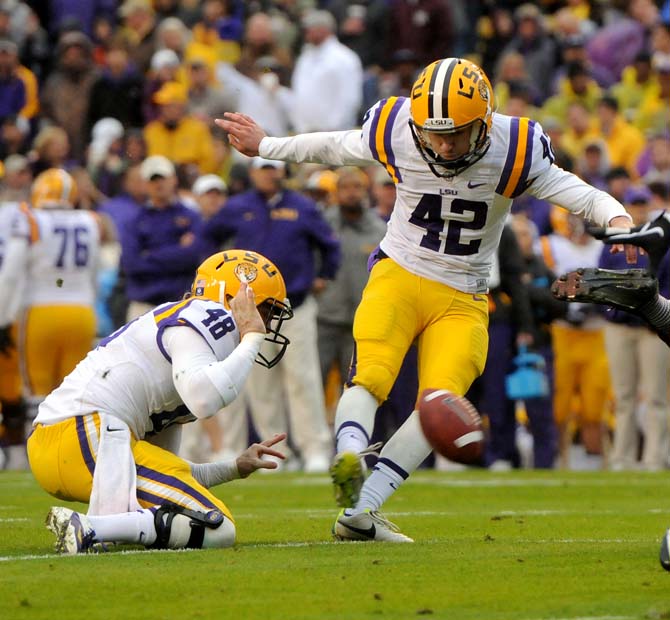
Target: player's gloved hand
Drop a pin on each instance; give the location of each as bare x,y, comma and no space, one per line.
653,237
251,459
6,340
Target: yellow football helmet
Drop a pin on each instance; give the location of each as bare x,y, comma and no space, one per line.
218,278
449,95
53,188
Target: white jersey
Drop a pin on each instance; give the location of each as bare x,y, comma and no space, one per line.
448,229
129,374
63,256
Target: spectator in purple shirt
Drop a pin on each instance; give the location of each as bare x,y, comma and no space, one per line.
12,89
160,246
125,207
288,228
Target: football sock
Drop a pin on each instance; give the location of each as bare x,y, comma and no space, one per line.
403,453
355,419
657,313
129,527
385,478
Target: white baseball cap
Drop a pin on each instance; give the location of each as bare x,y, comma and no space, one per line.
261,162
157,166
164,58
207,183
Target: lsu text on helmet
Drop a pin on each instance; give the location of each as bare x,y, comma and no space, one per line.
53,188
449,96
219,277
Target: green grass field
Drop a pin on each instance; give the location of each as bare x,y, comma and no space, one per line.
489,546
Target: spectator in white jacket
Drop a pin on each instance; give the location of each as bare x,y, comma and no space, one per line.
327,79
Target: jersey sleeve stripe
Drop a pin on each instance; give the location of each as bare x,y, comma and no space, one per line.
166,313
32,222
388,147
517,155
383,137
173,321
373,129
509,161
521,185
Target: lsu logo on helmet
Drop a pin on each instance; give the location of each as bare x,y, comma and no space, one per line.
246,272
450,95
219,279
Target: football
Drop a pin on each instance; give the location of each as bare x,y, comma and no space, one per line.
452,426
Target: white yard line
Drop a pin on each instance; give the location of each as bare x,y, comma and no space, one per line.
323,543
56,556
325,512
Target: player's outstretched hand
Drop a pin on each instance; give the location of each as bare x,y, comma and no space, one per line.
245,312
6,340
251,459
244,133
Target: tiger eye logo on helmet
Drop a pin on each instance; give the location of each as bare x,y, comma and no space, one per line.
246,272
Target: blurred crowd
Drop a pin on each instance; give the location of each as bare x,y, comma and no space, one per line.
123,96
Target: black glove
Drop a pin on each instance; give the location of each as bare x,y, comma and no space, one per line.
653,237
6,340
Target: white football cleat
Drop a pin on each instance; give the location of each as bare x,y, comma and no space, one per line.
74,533
367,525
665,551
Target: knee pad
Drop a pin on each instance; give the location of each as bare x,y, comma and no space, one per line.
181,528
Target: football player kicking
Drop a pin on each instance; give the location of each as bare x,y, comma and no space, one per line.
457,166
108,435
632,290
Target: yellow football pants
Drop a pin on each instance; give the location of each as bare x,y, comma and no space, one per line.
580,368
398,307
10,375
62,458
54,339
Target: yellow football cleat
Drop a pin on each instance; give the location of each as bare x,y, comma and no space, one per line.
347,472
